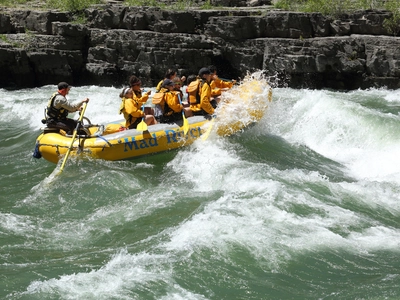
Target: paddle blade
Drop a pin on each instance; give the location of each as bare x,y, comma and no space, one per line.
74,136
207,133
185,121
142,126
68,152
185,125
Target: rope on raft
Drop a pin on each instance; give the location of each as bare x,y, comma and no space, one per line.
95,135
60,146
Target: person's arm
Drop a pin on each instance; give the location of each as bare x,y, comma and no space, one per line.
205,103
173,101
223,84
62,102
158,88
132,109
215,91
144,98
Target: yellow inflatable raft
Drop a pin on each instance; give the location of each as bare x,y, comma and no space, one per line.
241,106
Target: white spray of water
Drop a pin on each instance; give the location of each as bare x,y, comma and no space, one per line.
365,140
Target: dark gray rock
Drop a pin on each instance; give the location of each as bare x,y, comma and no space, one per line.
293,49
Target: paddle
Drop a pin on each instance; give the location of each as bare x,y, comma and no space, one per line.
185,121
207,133
142,126
74,136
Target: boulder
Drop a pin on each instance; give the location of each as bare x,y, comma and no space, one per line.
292,49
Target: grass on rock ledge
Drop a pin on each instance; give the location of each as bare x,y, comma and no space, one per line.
327,7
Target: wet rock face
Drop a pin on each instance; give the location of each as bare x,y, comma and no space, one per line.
116,41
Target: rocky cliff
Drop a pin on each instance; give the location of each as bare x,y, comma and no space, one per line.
115,41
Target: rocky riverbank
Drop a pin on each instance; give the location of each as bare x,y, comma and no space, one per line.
114,41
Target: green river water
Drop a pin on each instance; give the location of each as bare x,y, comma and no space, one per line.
303,205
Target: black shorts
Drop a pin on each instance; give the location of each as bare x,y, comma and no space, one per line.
68,125
135,124
170,118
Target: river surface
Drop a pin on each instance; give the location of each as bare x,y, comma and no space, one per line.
303,205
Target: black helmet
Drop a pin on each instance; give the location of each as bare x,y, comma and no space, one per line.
63,85
204,71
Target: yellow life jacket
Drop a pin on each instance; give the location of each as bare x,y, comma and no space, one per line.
122,106
161,106
194,90
122,110
158,99
127,117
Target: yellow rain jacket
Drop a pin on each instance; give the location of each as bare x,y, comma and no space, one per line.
205,98
158,88
173,102
218,84
131,107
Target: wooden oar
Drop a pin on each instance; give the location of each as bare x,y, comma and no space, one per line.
142,126
74,136
185,121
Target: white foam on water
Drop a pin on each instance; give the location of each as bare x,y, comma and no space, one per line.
246,102
274,214
124,276
122,273
373,195
254,212
204,165
392,96
259,208
16,224
250,215
365,141
376,238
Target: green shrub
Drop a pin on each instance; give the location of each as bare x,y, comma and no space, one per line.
177,5
4,38
207,5
71,5
152,3
283,4
12,2
392,24
337,7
